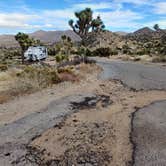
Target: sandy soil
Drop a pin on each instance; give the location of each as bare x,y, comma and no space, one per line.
24,105
103,132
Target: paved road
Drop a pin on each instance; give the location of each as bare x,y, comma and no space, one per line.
149,123
134,75
149,135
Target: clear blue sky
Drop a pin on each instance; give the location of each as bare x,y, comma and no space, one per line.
118,15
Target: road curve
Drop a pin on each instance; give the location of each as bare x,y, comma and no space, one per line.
134,75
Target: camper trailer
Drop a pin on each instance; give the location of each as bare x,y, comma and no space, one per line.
35,53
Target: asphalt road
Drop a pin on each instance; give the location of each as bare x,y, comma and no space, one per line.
148,124
134,75
149,135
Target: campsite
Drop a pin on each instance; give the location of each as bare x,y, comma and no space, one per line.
89,89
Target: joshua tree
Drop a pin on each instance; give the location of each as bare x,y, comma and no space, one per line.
97,24
156,27
85,22
67,44
24,42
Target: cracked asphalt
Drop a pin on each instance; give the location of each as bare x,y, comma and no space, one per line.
149,123
134,75
149,135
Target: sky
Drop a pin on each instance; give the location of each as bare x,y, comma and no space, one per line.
118,15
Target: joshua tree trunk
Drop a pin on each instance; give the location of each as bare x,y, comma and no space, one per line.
22,57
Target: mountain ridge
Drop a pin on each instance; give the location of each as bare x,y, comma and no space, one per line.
46,37
51,37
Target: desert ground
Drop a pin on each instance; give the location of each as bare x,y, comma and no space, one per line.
104,119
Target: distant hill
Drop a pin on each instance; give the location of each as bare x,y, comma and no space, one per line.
47,37
144,31
146,34
121,33
8,41
51,37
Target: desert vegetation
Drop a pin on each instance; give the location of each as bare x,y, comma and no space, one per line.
86,22
95,41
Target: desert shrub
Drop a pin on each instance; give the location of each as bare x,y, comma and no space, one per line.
144,51
89,52
114,52
68,76
52,51
61,57
137,59
160,58
81,51
65,69
84,51
125,51
102,52
3,67
42,76
141,52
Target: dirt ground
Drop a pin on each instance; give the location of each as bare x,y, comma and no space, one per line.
24,105
98,136
92,136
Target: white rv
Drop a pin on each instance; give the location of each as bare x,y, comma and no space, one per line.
35,53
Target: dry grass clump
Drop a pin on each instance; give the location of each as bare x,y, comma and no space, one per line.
69,69
3,67
67,74
28,80
33,78
85,69
40,75
160,58
4,76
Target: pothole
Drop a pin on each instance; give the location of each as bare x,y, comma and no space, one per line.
91,102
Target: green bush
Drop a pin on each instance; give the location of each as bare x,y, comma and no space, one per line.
114,52
52,51
89,52
61,57
125,51
102,52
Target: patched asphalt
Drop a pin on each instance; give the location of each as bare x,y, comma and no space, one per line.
149,135
15,136
134,75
